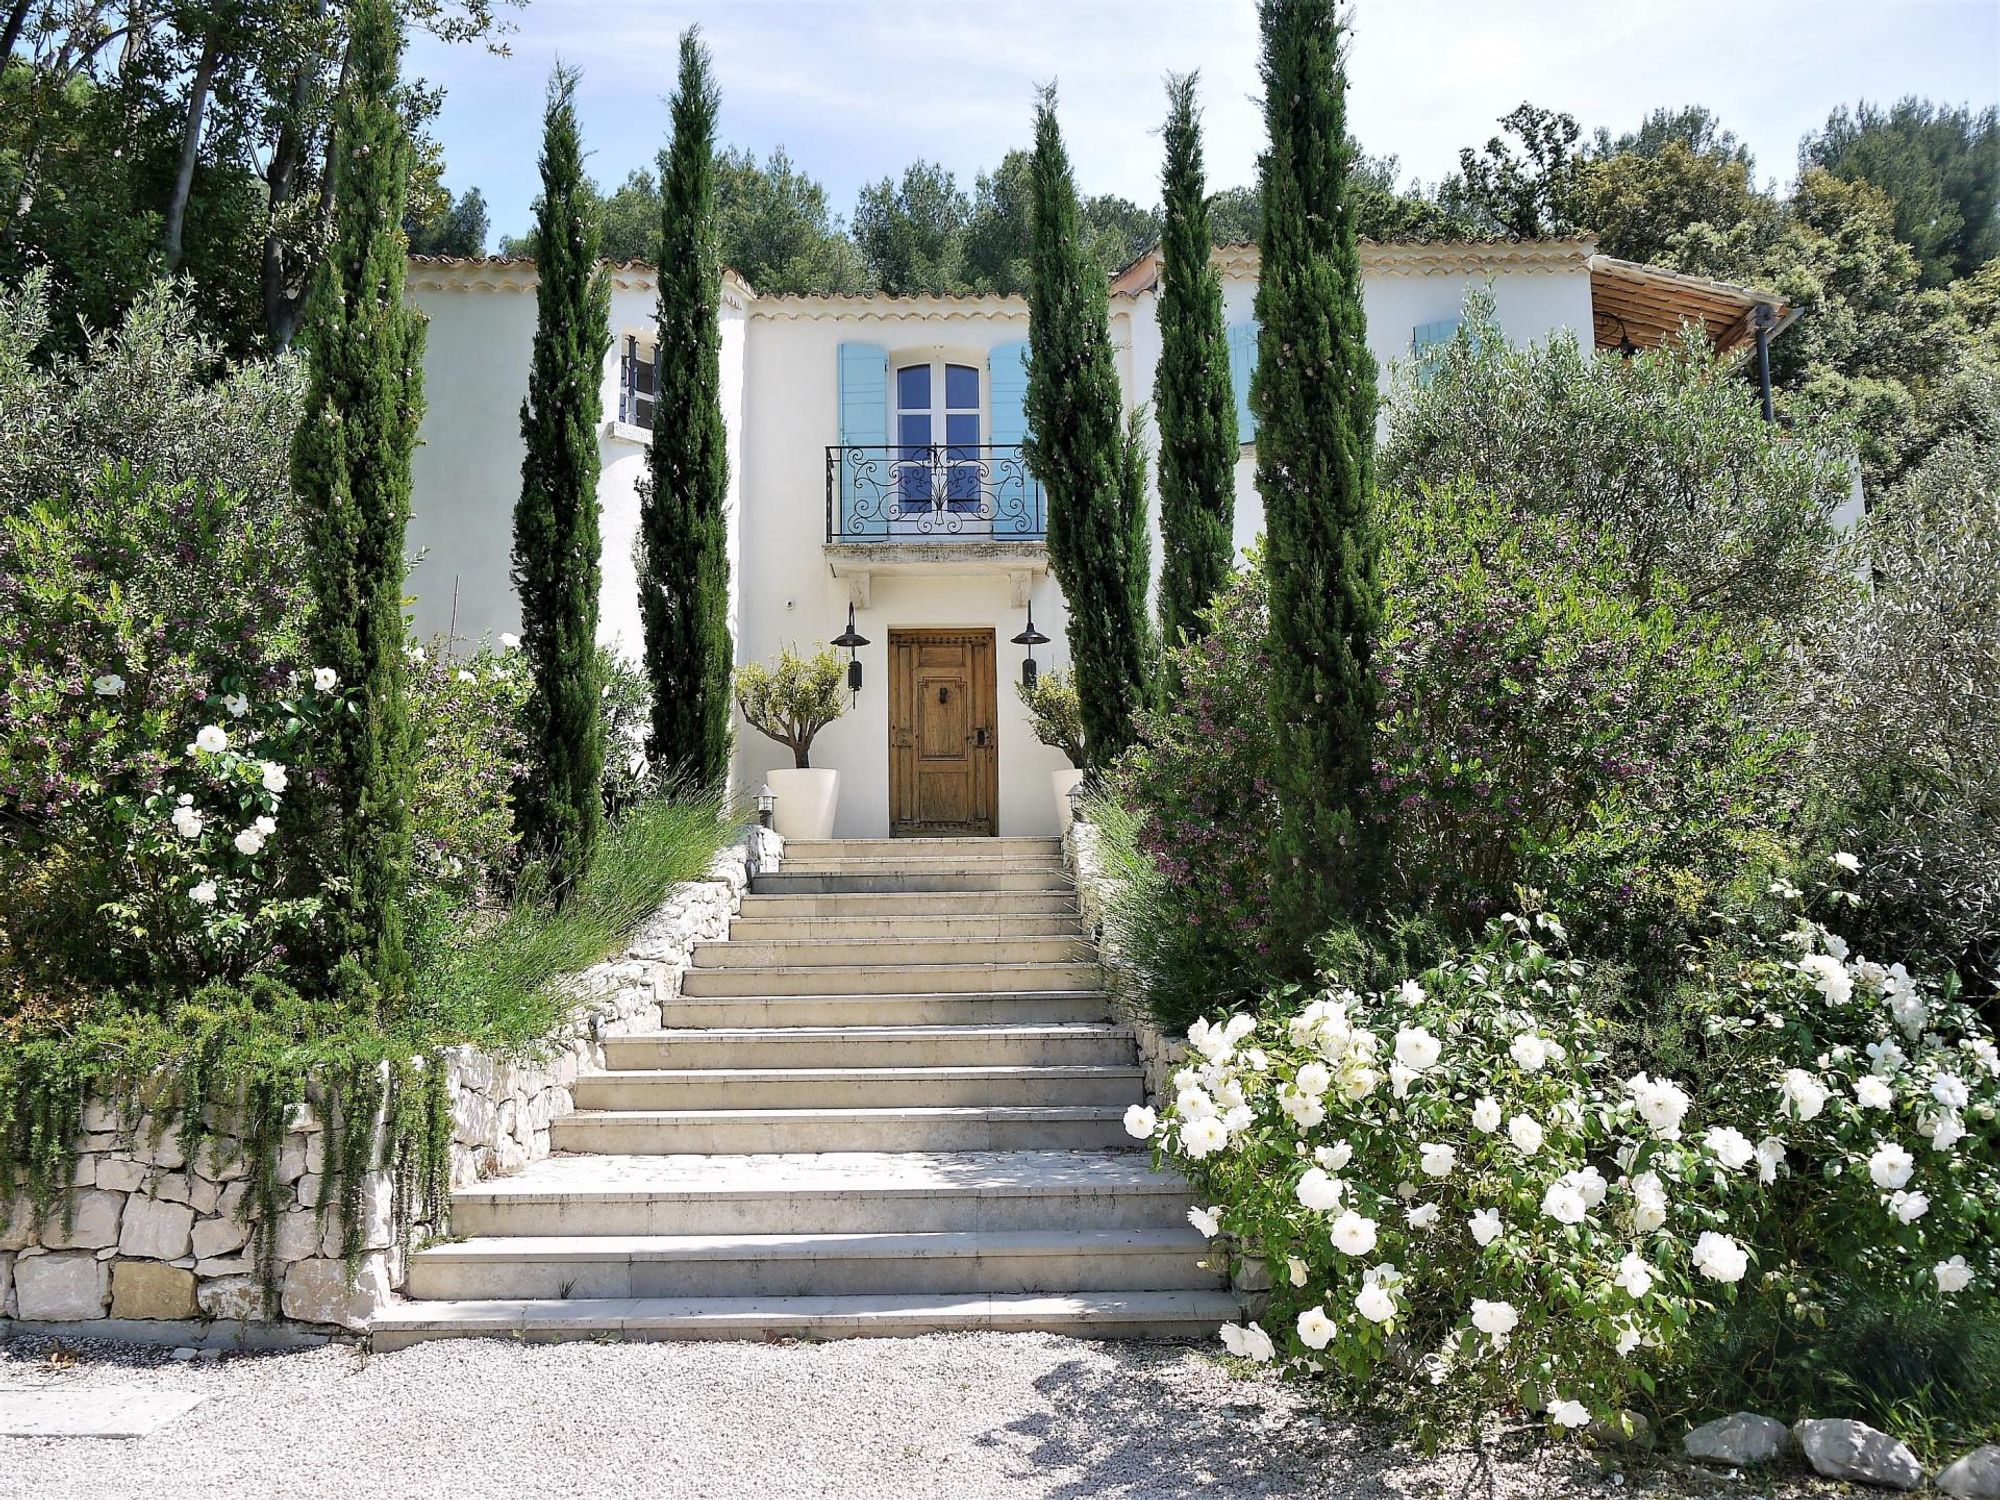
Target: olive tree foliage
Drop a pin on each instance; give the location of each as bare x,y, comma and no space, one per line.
1667,450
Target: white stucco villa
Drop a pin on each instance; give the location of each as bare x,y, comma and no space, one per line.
875,462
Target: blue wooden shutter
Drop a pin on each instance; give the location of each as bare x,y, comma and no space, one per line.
1242,360
1428,342
1017,499
864,425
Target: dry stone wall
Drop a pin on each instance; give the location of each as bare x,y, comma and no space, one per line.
160,1245
1161,1055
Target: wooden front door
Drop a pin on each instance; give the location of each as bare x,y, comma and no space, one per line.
944,754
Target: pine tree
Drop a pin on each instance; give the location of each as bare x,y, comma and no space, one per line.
1314,396
559,796
351,469
1192,399
683,532
1076,452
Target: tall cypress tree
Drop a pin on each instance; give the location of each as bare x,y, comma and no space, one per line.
1314,396
683,532
1076,451
1192,399
1136,536
351,469
559,797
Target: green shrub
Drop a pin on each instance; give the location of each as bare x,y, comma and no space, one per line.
792,700
467,745
1055,714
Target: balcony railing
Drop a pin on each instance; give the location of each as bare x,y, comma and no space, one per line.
942,492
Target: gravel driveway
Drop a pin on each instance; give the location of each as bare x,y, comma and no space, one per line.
955,1416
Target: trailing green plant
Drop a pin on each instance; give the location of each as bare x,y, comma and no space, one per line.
1192,398
559,798
683,532
351,469
792,700
1313,393
1054,714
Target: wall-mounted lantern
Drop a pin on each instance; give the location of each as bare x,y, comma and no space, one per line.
766,801
853,640
1030,638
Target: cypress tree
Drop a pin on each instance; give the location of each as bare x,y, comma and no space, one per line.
1314,396
1076,451
1192,399
351,469
1135,532
683,532
559,797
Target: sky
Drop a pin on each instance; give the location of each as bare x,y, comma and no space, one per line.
857,89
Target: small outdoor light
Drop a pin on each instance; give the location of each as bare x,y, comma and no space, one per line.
853,640
766,800
1030,638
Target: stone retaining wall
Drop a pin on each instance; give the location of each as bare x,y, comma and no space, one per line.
1160,1055
157,1245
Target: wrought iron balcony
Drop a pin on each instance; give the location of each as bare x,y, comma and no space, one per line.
936,493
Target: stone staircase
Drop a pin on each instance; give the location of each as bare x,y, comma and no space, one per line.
890,1103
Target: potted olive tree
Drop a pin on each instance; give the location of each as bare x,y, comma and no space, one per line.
1056,717
791,701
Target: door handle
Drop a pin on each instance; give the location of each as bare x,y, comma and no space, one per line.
979,737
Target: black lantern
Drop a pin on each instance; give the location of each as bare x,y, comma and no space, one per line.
1030,638
853,640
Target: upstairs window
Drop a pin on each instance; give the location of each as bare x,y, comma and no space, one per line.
937,406
637,370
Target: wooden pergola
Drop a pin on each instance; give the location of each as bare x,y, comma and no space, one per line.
1637,307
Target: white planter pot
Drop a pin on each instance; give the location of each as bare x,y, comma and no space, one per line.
806,802
1065,781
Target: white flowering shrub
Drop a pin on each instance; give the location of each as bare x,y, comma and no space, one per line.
1456,1175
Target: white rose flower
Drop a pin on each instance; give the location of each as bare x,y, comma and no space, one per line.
266,825
1730,1147
1984,1052
1352,1235
1661,1103
1872,1092
1890,1166
1316,1329
509,641
1563,1203
1486,1115
1374,1303
1569,1414
237,705
1485,1226
1845,861
202,894
1314,1079
1950,1091
1829,976
1335,1157
1417,1049
1945,1130
1438,1160
1907,1208
1357,1084
1295,1270
1319,1192
1526,1135
1400,1079
273,777
1204,1220
1720,1258
1496,1319
1204,1137
1410,992
1141,1122
1634,1276
211,738
464,676
110,685
1530,1052
1770,1156
1192,1103
187,822
1590,1183
1885,1056
1304,1110
1952,1275
1423,1215
325,679
1248,1343
1629,1339
1649,1202
1804,1095
250,841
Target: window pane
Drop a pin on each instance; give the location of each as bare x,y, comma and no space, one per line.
962,429
913,387
961,388
642,373
913,427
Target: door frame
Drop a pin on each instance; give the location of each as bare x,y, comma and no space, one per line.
985,820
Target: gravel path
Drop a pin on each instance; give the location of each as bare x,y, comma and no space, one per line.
953,1416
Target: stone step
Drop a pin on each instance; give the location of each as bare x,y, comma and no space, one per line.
859,1088
1088,1314
788,882
873,1047
889,979
899,865
890,952
825,1193
904,905
953,1263
918,928
665,1132
935,1008
945,849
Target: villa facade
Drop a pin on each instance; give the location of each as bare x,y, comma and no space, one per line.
875,463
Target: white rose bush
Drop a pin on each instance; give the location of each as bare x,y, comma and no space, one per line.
1465,1178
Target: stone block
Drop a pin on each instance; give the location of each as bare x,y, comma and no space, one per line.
155,1229
67,1287
6,1283
164,1151
172,1187
17,1218
297,1235
225,1265
203,1194
231,1297
1973,1477
219,1236
93,1221
377,1226
1841,1448
120,1174
318,1291
147,1289
1742,1441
